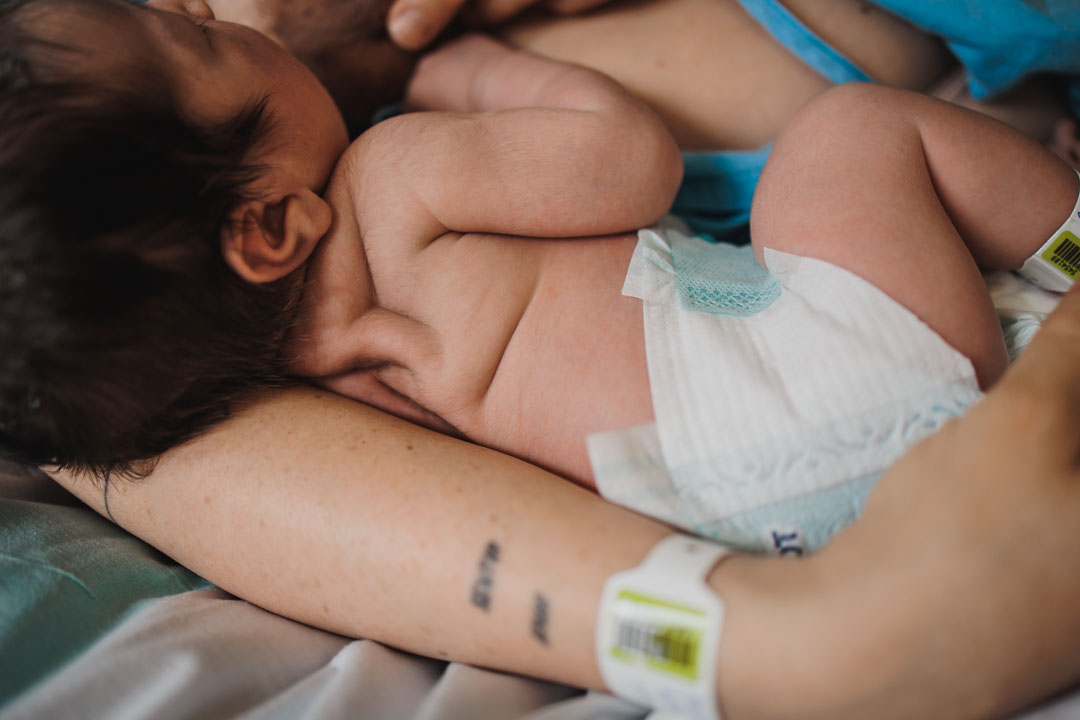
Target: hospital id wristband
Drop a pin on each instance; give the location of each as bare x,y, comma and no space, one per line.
1056,264
659,627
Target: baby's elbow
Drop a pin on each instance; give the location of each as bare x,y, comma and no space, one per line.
669,171
658,168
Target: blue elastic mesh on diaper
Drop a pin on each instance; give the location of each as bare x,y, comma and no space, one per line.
721,279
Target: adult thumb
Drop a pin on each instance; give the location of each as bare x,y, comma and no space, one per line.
412,24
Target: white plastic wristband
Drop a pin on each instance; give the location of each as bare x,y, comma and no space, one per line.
659,627
1056,265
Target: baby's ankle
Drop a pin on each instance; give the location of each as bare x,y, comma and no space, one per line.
1065,141
1055,266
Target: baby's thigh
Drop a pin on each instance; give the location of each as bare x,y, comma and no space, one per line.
847,183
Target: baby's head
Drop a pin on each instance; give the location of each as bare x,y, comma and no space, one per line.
159,180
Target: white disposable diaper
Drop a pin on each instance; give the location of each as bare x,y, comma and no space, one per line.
779,399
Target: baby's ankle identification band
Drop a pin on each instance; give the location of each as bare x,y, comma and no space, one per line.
658,632
1056,265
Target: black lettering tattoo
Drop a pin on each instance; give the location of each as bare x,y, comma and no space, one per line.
541,613
485,580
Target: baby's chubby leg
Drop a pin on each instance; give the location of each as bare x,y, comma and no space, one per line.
915,196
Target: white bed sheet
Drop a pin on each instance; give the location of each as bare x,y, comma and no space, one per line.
205,654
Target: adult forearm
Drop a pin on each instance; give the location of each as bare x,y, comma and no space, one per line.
328,512
954,597
847,637
334,514
944,602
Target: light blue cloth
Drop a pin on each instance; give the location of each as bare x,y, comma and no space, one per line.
790,32
1001,42
716,191
721,278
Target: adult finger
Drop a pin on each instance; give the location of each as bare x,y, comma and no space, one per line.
493,12
195,9
572,7
413,24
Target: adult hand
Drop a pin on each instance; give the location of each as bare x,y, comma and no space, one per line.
968,546
415,23
261,16
343,42
308,27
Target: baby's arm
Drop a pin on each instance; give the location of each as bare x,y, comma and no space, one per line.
523,146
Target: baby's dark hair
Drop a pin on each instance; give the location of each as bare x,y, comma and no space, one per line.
122,330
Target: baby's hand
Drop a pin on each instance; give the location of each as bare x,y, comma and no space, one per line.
1065,141
445,79
415,23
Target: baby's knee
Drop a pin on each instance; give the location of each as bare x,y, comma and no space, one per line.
839,130
850,115
851,104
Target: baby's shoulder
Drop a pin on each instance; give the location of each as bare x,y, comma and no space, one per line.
375,183
359,158
380,148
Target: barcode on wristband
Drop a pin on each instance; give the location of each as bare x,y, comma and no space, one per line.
1064,254
662,636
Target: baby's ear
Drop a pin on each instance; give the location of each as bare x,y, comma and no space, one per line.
265,241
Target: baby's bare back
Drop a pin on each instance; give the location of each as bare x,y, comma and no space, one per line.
472,278
523,345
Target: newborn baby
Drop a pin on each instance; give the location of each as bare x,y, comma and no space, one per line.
478,268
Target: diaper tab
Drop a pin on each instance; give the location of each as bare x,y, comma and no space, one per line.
698,274
720,278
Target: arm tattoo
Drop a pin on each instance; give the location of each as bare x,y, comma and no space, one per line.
541,612
485,579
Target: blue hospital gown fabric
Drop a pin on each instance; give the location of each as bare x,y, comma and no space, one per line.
1000,42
